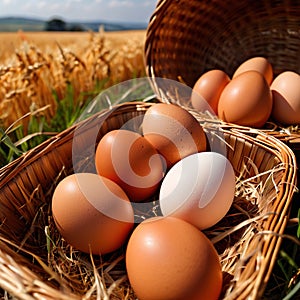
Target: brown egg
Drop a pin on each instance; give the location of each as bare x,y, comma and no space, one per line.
92,213
286,96
173,131
208,88
246,100
128,159
259,64
168,258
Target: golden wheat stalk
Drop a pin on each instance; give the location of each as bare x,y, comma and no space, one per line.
31,76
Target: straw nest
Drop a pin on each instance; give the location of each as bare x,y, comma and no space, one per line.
36,263
187,38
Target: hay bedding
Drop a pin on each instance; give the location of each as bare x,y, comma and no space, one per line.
46,253
36,263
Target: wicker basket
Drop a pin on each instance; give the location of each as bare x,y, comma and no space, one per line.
187,38
35,263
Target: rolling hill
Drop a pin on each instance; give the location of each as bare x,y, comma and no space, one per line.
13,24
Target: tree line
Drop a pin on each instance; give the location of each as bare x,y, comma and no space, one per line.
57,24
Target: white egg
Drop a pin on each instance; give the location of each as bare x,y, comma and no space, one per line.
198,189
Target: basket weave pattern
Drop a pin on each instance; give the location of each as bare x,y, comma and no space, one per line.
32,265
186,38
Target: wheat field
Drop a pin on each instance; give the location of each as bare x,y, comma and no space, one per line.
35,66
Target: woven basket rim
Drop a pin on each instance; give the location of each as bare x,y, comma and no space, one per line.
263,141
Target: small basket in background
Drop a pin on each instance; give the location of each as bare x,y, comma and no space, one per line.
187,38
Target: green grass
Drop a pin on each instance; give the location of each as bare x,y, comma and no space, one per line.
67,112
13,140
284,282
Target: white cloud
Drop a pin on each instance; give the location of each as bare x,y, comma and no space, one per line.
41,4
26,6
54,7
122,3
69,3
149,3
108,10
6,2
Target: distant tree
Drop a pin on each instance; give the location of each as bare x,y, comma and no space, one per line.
76,27
56,25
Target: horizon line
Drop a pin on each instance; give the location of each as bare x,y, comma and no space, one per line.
68,20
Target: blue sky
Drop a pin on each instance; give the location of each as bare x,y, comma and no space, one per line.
86,10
